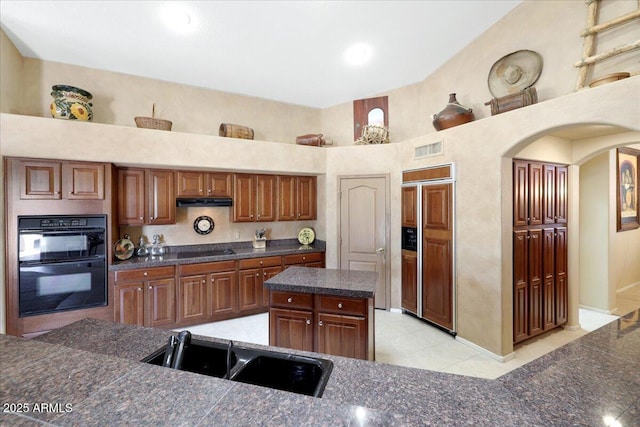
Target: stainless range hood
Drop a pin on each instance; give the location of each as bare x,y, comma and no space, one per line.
204,202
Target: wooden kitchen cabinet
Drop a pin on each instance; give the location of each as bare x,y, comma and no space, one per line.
146,197
145,297
252,274
314,259
45,179
540,294
410,281
203,184
254,198
336,325
207,292
297,198
410,206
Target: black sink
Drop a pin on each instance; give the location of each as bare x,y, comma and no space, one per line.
282,371
201,357
214,252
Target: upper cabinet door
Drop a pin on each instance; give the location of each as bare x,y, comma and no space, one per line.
535,193
520,193
190,184
162,201
306,199
266,196
131,196
562,178
39,180
243,198
549,194
83,181
409,206
219,184
287,198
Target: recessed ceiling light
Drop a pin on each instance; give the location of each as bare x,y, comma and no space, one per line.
358,54
177,18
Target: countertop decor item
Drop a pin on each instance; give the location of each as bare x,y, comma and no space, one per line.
306,236
614,77
373,134
152,122
230,130
514,72
157,248
203,225
142,248
123,249
71,103
260,239
452,115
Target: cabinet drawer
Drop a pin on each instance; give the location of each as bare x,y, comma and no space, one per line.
342,305
145,273
260,262
206,267
303,258
291,300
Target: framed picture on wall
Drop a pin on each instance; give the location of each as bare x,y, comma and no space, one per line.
628,175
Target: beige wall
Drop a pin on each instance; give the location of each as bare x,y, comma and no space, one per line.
10,77
594,233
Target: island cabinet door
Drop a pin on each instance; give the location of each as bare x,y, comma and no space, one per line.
291,329
342,335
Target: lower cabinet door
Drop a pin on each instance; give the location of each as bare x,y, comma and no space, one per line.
250,290
268,273
160,302
342,335
222,295
291,329
129,304
191,297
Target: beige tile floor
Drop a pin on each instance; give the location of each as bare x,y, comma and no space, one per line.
404,340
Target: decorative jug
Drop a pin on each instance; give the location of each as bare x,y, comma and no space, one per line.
71,103
453,114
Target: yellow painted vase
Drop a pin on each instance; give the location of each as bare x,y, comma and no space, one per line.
71,103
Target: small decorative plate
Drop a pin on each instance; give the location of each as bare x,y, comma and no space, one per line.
203,225
123,249
306,236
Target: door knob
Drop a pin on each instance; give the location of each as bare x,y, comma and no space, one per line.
380,250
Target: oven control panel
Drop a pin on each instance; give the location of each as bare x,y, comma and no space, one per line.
63,222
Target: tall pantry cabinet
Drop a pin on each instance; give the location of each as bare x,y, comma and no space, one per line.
540,291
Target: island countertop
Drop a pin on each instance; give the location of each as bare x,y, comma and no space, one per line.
89,373
325,281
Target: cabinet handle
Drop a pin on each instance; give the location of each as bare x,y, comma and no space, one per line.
264,274
289,299
146,273
203,281
308,321
139,289
304,258
257,274
150,287
250,216
70,193
340,305
260,262
320,323
141,218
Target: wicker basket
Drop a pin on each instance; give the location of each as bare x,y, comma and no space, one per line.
152,123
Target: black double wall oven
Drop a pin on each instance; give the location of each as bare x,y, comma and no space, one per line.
62,263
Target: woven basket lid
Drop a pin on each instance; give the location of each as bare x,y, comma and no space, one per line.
514,72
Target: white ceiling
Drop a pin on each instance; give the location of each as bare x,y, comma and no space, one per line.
289,51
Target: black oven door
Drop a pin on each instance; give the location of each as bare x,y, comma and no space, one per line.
60,286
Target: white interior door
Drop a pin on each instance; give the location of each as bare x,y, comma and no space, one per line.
363,229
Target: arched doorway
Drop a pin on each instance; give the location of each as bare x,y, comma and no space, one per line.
594,245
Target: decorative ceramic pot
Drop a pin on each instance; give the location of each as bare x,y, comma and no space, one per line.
71,103
453,114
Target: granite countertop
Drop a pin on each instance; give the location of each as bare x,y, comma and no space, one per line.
89,374
243,250
357,284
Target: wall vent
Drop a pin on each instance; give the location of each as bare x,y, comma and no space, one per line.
433,149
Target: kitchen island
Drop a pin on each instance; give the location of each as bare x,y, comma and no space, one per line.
325,310
89,373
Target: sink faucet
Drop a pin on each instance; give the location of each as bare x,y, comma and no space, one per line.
184,339
229,348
